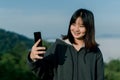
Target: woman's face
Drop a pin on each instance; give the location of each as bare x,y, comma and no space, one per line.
77,29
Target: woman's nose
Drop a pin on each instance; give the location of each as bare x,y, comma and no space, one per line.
77,28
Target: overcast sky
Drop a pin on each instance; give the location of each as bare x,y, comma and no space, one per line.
52,17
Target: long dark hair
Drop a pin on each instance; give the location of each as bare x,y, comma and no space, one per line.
88,21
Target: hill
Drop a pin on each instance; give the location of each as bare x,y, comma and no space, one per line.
13,53
8,40
14,49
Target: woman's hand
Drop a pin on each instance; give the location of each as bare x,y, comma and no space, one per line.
37,51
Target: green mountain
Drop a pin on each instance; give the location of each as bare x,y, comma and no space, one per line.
9,40
14,49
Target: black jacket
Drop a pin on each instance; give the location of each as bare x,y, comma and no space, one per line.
63,62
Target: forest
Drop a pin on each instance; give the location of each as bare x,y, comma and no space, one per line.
14,50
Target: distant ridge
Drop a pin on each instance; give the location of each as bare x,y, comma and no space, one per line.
8,40
109,36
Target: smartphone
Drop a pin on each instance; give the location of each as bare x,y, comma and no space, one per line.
37,36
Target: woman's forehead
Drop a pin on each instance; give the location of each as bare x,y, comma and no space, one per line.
79,21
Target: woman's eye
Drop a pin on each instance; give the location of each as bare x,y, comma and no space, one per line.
82,26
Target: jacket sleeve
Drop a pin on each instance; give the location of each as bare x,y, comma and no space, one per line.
44,67
100,67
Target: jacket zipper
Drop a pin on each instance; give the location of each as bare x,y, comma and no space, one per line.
77,67
72,64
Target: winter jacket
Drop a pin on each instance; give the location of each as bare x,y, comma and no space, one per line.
63,62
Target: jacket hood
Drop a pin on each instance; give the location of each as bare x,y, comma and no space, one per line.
65,42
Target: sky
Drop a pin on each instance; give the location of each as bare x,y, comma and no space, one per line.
52,17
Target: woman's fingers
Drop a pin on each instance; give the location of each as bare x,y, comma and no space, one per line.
38,57
40,48
36,44
37,51
37,54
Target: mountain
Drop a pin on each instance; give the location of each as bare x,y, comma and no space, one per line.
10,40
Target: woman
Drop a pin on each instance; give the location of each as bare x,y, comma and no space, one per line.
75,57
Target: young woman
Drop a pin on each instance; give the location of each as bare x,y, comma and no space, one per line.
75,57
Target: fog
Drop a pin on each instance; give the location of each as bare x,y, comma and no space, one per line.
110,48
